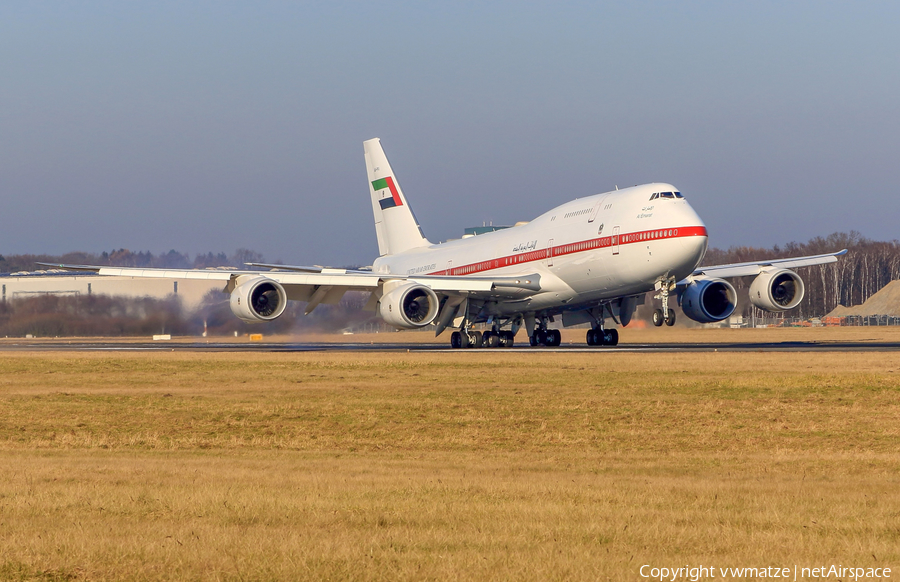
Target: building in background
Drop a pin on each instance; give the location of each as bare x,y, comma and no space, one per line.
21,285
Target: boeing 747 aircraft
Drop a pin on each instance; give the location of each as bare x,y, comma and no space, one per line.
588,261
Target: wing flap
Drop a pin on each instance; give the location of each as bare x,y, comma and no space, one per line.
202,274
530,282
300,268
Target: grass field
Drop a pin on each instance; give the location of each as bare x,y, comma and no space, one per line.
468,465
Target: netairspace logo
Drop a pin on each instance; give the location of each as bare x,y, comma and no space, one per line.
695,573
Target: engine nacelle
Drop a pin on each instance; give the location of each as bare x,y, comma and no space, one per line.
709,300
408,306
258,299
777,290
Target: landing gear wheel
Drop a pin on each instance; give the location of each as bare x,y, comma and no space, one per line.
541,335
554,337
464,339
507,339
476,340
533,340
658,317
591,340
670,318
612,337
455,340
491,339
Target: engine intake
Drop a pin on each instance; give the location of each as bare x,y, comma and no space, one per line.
408,306
777,290
709,300
258,299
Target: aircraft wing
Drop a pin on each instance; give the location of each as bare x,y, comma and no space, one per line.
755,268
302,284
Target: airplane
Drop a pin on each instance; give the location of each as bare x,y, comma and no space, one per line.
586,261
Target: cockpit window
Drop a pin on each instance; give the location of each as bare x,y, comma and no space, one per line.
656,195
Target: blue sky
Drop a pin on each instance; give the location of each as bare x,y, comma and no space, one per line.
211,126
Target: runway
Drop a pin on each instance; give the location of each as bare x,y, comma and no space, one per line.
212,346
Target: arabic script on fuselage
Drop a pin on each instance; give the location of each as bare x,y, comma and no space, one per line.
525,246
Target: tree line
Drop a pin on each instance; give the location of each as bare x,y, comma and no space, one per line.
126,258
867,267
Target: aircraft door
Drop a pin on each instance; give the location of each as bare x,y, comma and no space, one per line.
550,253
615,240
596,209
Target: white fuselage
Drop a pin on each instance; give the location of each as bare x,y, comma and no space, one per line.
586,251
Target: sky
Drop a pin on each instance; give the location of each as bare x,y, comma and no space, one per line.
213,126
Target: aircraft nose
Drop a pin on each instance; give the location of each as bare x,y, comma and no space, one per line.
696,242
695,245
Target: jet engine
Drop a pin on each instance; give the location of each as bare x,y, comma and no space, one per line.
708,300
777,290
258,299
409,306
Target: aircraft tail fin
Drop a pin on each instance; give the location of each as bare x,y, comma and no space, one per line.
395,224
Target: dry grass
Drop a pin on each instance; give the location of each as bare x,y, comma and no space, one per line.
461,465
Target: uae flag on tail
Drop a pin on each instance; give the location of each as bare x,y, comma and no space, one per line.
387,192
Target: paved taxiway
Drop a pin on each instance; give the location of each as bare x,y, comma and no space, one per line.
791,346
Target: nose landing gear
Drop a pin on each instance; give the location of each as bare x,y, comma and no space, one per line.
668,318
664,315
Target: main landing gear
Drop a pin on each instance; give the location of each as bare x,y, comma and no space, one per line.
540,335
499,339
475,339
545,337
602,337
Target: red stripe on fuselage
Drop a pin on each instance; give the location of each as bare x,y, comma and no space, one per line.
575,247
